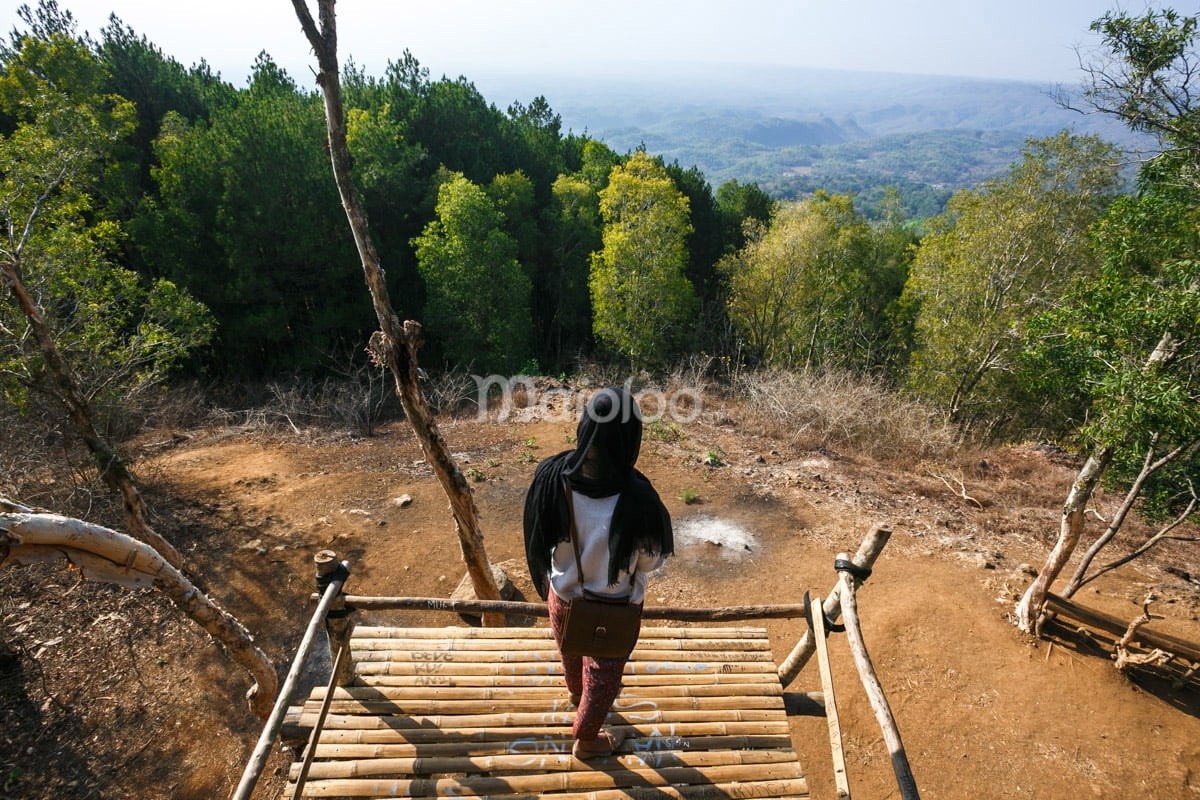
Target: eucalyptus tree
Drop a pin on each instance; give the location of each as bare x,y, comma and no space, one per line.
1123,355
1145,72
1000,254
643,304
1131,341
797,289
83,337
477,307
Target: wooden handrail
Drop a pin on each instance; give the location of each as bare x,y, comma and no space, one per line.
270,732
874,689
868,551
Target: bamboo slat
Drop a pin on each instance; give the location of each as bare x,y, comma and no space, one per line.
797,788
546,645
644,714
502,744
537,762
548,668
540,691
647,632
465,708
574,780
549,655
483,711
763,681
650,736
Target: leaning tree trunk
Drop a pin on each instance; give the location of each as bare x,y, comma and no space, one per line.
105,555
1029,610
112,468
395,344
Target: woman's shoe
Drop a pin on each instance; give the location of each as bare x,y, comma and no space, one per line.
603,745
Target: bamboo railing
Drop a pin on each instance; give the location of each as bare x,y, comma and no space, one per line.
332,578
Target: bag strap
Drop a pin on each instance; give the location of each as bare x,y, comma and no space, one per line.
575,541
574,530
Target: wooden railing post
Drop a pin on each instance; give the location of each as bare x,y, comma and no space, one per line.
331,590
866,671
339,623
868,551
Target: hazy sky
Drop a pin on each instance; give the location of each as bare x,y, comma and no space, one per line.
1019,39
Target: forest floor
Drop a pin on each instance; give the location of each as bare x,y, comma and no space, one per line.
108,693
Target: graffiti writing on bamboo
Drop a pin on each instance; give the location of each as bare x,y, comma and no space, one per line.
655,667
537,749
541,666
656,743
434,680
637,710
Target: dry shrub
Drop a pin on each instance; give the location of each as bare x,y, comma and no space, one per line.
184,405
356,403
838,410
44,465
451,391
694,373
592,375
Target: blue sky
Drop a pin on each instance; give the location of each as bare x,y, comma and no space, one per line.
1033,40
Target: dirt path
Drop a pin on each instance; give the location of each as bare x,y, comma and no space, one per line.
146,701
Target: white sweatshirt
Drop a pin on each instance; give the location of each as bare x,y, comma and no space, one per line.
593,516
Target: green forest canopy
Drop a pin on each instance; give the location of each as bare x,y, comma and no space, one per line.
523,247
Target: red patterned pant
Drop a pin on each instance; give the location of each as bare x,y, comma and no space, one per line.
596,680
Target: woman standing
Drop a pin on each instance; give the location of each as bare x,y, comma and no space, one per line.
623,532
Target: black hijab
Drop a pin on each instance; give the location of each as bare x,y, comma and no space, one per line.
610,430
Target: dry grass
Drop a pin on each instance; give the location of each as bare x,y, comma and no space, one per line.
846,412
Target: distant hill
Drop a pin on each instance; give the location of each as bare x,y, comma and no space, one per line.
794,130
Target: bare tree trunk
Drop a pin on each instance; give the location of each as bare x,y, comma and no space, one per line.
112,467
105,555
1149,467
1031,608
395,344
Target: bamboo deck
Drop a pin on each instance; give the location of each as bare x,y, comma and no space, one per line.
484,712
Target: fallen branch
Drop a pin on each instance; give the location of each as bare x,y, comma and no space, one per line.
1118,627
962,488
112,468
1126,659
105,555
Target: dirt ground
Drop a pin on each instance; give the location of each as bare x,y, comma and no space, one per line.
107,693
